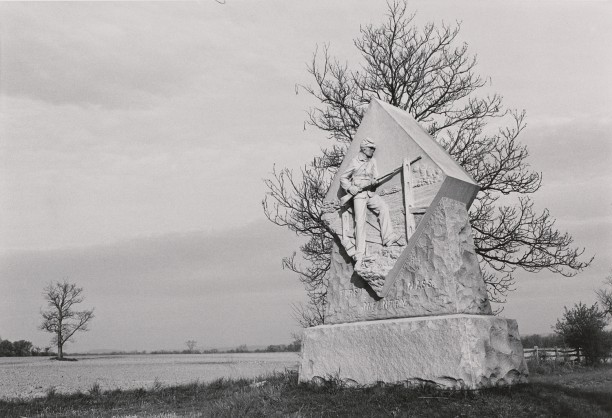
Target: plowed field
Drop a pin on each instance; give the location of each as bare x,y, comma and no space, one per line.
33,376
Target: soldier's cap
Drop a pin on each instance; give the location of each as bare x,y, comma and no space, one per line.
368,143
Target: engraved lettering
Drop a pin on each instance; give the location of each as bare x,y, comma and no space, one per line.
385,305
354,292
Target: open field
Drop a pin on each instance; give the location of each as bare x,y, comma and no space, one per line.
29,377
579,392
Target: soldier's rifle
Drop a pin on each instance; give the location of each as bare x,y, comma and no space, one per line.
347,197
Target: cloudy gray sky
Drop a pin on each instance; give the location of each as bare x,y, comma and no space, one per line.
134,138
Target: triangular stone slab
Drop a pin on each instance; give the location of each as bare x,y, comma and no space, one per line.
435,270
399,136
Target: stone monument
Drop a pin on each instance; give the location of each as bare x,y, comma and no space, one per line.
406,299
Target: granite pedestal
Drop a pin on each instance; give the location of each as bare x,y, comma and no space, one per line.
450,351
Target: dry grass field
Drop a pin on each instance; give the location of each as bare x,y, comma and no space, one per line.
563,392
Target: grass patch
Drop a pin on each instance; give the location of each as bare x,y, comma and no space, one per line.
544,367
62,359
586,392
95,390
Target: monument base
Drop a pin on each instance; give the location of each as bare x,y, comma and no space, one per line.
452,351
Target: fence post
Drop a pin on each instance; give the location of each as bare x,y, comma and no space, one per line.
556,354
537,355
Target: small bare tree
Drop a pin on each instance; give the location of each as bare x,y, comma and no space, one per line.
191,345
61,319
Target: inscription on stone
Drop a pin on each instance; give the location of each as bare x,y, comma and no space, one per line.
385,304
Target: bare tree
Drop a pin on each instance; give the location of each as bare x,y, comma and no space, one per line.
191,345
61,319
432,77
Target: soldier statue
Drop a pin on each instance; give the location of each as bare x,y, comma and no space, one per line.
359,180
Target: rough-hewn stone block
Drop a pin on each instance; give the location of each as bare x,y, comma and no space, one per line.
438,273
453,351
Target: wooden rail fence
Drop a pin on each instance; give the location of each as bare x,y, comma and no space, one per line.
552,354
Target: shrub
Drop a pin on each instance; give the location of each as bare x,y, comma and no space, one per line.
583,328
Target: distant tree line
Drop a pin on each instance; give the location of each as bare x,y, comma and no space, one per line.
22,348
295,346
539,340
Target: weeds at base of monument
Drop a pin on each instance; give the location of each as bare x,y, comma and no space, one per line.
333,382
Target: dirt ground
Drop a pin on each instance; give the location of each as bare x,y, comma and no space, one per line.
32,377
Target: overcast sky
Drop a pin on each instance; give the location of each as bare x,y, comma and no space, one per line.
134,138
